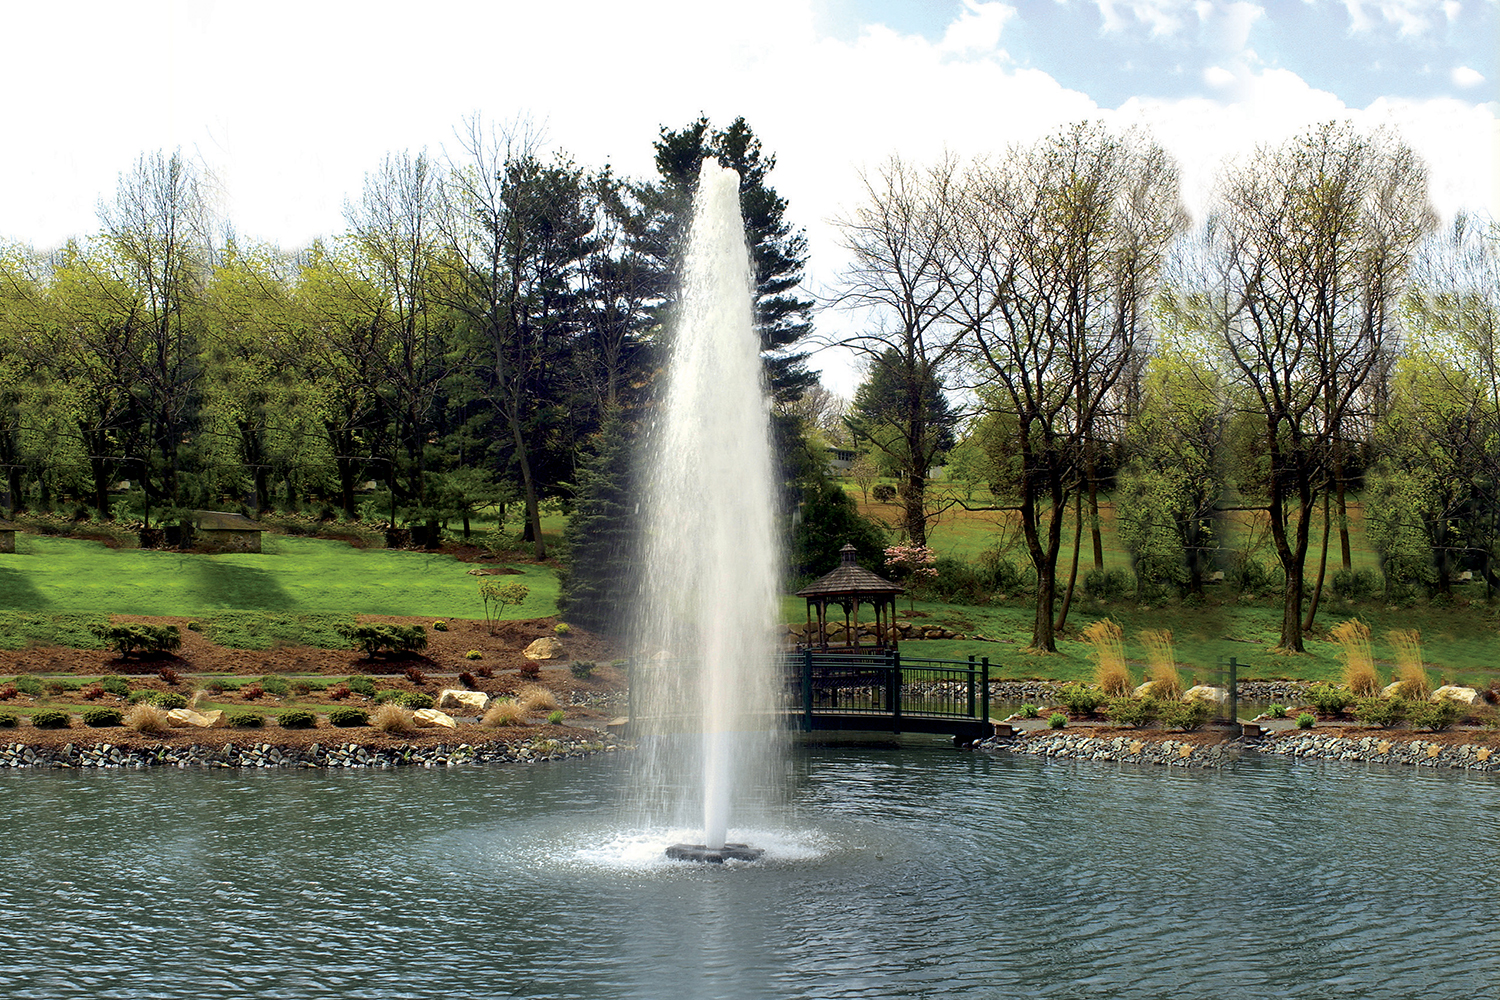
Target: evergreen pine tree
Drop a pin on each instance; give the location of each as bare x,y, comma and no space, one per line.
598,577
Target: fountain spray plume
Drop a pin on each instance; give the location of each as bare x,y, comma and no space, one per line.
711,571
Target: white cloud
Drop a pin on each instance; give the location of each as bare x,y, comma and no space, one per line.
1411,18
1463,76
978,28
1165,18
1218,76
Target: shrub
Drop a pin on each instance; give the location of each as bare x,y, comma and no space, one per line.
51,718
361,685
467,681
116,685
1276,711
397,640
7,692
1352,585
168,675
1079,699
416,676
279,686
137,636
1305,720
1434,715
169,700
305,686
9,720
393,719
297,719
555,718
101,716
1110,673
473,654
535,699
339,692
884,493
1183,714
346,717
504,713
220,684
385,695
582,669
244,720
412,699
1057,720
1353,637
1029,712
1380,712
147,718
562,628
486,672
29,686
440,626
1329,700
1108,585
57,686
530,670
1130,711
91,692
252,691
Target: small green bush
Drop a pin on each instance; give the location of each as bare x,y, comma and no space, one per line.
396,640
1305,720
275,685
1186,715
883,493
1276,711
9,720
139,637
58,686
1433,715
29,686
473,654
99,717
116,685
562,628
1328,699
582,668
1108,585
413,699
384,695
1080,699
555,718
1029,712
346,717
1057,720
221,684
1381,712
297,719
244,720
169,700
362,685
51,718
440,626
1130,711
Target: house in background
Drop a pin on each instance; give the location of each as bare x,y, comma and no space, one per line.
220,531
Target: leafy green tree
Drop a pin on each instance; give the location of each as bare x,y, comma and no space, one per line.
828,519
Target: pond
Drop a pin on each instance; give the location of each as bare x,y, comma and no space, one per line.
893,872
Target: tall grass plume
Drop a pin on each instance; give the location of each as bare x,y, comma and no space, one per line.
393,719
504,713
147,718
1353,637
1110,672
536,699
1411,676
1166,682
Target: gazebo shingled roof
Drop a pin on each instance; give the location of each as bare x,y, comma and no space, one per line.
848,587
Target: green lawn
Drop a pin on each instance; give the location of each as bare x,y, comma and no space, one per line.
298,575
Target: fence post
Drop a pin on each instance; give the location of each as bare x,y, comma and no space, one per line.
807,690
895,692
985,688
1234,691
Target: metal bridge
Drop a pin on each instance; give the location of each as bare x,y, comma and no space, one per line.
885,692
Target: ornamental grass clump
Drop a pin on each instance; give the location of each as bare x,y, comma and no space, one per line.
504,713
147,719
393,720
1353,637
1110,672
1412,681
535,699
1166,682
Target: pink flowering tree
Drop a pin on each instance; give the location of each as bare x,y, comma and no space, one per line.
912,565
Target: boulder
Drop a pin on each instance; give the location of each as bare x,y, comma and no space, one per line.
1462,695
545,648
1391,690
1205,692
432,717
465,702
1144,691
198,720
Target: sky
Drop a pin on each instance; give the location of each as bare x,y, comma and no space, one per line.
289,104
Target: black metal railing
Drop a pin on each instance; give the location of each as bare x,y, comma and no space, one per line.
886,684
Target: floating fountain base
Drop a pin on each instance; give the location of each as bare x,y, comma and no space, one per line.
714,855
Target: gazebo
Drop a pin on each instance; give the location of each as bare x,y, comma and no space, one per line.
847,588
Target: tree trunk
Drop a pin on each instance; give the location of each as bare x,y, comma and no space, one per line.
1062,616
1317,596
1343,513
1094,517
533,511
914,492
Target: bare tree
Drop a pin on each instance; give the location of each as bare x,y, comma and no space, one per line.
1311,240
1048,271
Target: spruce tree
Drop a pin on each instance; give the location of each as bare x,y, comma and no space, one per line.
598,577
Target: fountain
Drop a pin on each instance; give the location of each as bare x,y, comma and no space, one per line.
705,691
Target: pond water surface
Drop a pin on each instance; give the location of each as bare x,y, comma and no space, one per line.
914,872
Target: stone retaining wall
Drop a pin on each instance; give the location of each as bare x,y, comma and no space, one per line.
1370,749
1064,745
315,755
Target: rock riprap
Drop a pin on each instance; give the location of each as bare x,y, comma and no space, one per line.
266,755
